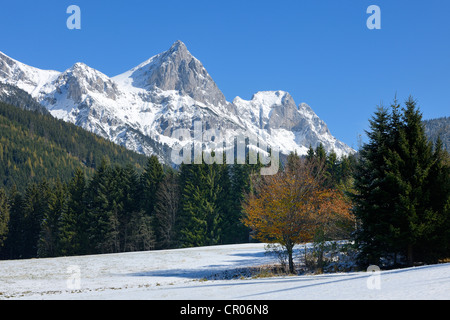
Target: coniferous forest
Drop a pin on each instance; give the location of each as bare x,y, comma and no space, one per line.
34,146
65,191
119,210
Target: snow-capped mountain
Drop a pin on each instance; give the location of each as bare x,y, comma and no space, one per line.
142,107
25,77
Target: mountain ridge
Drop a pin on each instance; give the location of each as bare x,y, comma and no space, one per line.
438,128
142,107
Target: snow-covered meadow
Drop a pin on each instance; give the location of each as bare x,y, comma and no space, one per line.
206,274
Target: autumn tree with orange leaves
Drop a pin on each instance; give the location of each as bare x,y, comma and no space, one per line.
292,206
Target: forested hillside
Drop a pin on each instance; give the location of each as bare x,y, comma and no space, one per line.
439,127
19,98
35,145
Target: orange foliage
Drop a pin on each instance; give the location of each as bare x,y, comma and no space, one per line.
289,207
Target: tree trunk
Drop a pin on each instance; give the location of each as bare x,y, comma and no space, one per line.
289,249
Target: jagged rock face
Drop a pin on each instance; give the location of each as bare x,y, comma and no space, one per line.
5,66
81,80
284,115
290,127
141,108
177,69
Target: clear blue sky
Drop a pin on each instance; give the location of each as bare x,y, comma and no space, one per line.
321,52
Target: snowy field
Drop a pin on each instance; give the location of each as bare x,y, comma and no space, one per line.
204,274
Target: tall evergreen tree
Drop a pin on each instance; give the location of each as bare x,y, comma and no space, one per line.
229,223
34,209
237,182
310,153
320,153
199,211
410,163
401,189
151,178
99,211
166,211
130,227
73,233
372,205
235,231
48,245
212,205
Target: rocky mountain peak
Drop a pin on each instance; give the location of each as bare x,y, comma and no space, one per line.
178,46
176,69
81,79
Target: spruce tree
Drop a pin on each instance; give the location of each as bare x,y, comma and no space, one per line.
99,211
234,230
229,223
167,210
73,233
402,190
129,225
410,161
212,205
241,186
310,153
331,169
151,177
34,210
192,224
372,205
199,211
320,153
48,245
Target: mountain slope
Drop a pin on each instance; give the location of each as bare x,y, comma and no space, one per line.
143,107
35,146
12,95
288,126
439,127
23,76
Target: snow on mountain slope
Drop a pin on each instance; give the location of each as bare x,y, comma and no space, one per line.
25,77
141,108
292,128
185,274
